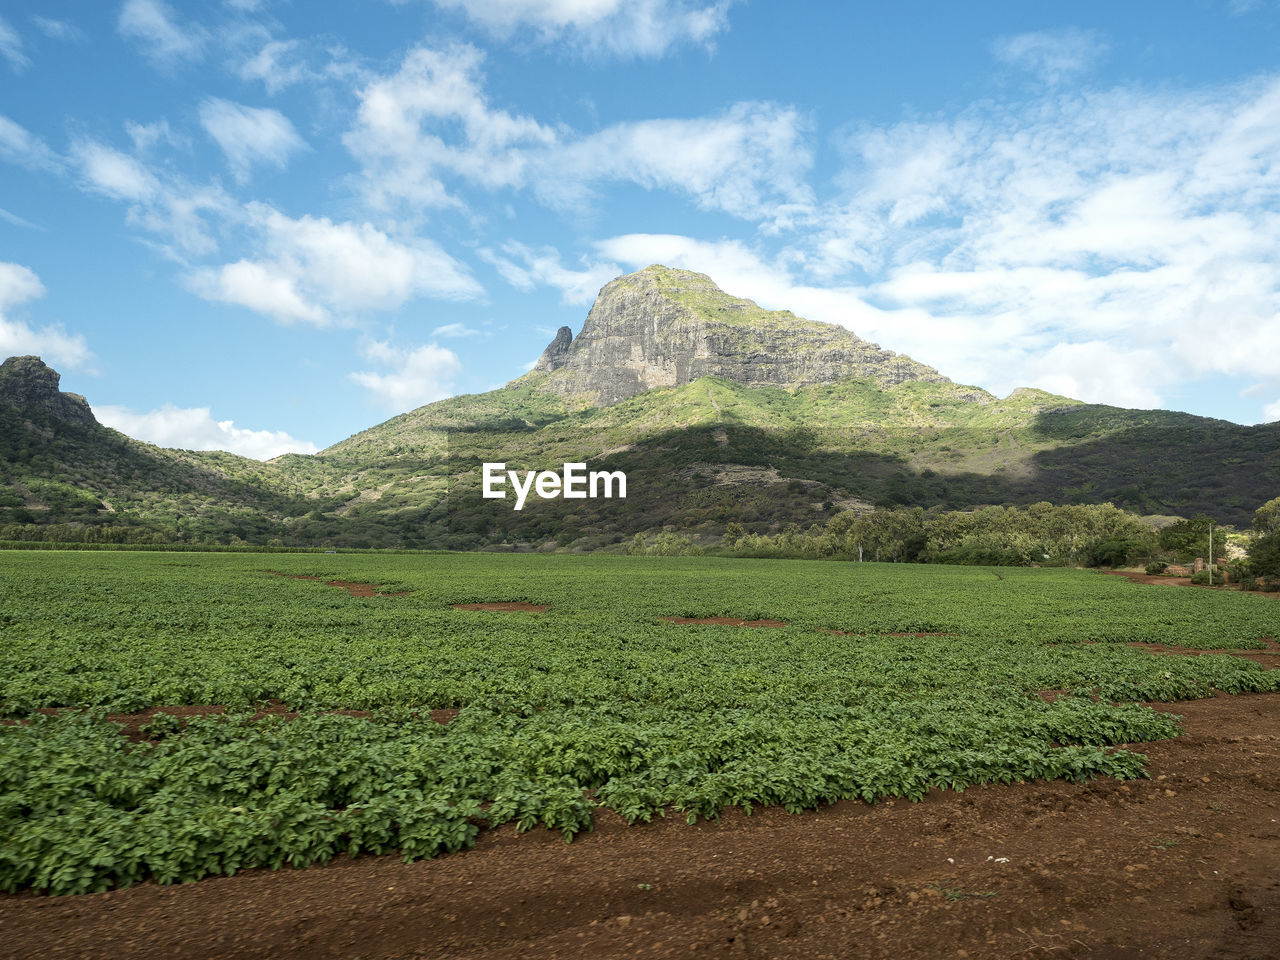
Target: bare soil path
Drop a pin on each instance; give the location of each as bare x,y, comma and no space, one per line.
1186,865
1180,582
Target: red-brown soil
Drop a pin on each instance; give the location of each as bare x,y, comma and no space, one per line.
1180,867
355,589
1269,657
725,621
505,607
1180,582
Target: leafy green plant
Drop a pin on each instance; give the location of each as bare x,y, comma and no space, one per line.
887,682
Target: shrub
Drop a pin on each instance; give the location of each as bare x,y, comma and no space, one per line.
1264,555
1110,553
1202,578
1156,567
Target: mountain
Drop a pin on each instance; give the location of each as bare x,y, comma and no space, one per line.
30,388
664,328
715,409
60,467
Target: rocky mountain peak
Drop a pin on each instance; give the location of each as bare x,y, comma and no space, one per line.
554,356
29,387
661,327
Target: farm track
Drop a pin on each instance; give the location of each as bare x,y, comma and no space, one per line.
1163,581
1181,866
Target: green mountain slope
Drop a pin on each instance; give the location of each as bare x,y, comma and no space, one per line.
60,467
711,451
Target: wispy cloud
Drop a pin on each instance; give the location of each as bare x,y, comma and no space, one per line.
115,174
410,376
195,428
19,284
526,268
314,270
1053,55
11,47
63,30
17,221
277,64
249,135
431,122
162,38
18,145
455,330
621,28
1132,217
159,202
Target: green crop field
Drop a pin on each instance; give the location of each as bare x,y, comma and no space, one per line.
595,702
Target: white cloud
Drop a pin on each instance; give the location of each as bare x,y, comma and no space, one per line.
18,284
416,376
115,174
18,145
455,330
11,47
315,270
431,121
1146,220
194,428
276,66
10,217
749,162
1098,371
403,119
158,201
1053,55
263,288
1271,412
543,266
628,28
146,136
249,135
58,29
164,41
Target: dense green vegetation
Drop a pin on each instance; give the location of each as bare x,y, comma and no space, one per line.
85,483
697,457
595,702
996,536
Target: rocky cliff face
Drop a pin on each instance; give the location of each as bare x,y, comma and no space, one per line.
662,328
29,388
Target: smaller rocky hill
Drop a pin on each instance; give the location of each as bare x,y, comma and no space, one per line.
29,391
64,476
662,327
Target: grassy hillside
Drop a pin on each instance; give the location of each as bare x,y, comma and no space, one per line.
696,457
712,451
80,475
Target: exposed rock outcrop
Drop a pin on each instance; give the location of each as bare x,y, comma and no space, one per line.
662,327
29,388
557,351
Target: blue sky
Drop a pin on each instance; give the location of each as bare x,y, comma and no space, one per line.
261,225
